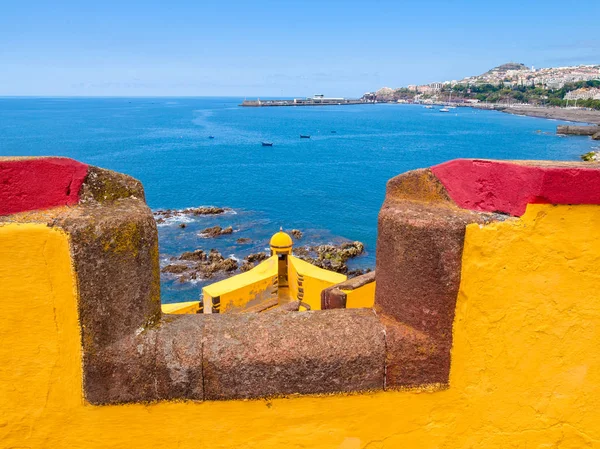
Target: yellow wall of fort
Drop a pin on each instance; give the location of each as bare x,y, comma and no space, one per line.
525,364
247,288
363,296
315,280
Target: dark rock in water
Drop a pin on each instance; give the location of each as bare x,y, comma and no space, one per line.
210,210
296,233
330,257
174,269
596,136
301,252
358,272
182,225
246,266
243,240
216,265
215,256
228,265
257,257
162,214
194,255
216,231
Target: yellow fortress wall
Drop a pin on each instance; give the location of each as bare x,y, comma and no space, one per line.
525,366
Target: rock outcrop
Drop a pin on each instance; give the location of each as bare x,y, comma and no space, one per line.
331,257
578,130
216,231
198,264
161,215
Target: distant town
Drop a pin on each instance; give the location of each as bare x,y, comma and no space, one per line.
507,84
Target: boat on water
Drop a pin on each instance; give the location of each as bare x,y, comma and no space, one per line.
211,137
428,107
267,144
444,110
304,136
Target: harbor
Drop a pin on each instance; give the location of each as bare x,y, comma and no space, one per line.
315,100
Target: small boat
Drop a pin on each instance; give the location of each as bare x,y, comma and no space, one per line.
304,137
428,107
211,137
267,144
444,110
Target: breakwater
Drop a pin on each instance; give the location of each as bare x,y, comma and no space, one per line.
578,130
304,102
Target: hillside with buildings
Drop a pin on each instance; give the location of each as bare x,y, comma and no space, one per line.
509,84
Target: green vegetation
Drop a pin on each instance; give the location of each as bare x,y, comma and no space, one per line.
590,157
535,95
524,94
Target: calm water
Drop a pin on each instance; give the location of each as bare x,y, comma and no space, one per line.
330,186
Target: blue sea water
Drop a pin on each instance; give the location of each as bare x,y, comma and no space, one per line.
330,186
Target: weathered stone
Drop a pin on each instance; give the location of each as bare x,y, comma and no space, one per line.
254,355
115,253
164,362
243,240
419,251
334,298
105,185
124,371
296,233
596,136
413,358
179,358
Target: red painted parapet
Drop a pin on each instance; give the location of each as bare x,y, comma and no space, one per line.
33,184
507,187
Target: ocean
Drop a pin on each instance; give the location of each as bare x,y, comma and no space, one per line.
330,186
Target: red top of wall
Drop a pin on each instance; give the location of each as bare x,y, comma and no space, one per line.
507,187
31,184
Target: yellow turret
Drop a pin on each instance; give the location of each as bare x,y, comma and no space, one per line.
281,243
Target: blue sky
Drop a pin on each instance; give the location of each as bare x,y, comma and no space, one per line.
278,48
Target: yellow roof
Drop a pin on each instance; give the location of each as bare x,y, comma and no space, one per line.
281,240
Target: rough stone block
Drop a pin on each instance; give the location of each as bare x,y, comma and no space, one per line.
249,356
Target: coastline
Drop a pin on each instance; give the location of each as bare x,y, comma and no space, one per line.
570,115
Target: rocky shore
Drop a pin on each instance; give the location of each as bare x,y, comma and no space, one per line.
200,264
162,214
571,115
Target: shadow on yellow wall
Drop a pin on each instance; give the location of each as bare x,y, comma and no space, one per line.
525,365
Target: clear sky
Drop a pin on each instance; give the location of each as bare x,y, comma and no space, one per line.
279,48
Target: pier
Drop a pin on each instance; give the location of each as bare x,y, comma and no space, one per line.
316,100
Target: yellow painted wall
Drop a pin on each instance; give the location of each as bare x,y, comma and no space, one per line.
363,296
181,308
315,280
243,289
525,365
293,279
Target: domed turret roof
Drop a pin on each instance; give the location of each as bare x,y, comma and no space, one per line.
281,240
